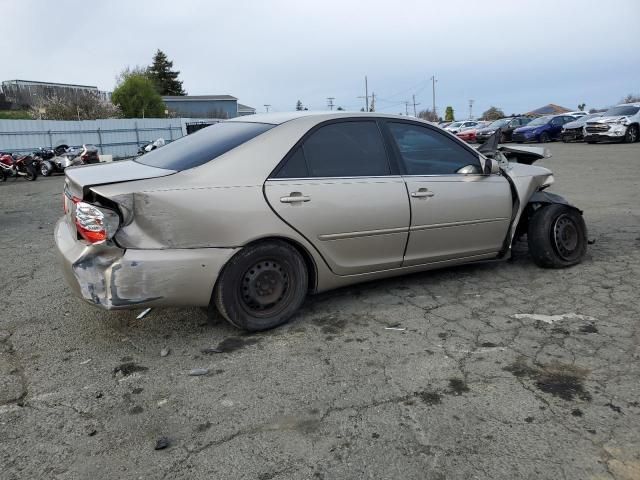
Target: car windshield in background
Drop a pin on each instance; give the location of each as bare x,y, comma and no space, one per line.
498,123
203,146
539,121
621,110
455,124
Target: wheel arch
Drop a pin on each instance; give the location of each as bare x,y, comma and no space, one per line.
538,200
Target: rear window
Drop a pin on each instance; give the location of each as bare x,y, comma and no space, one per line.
203,146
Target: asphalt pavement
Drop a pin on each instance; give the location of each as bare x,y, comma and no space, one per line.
487,371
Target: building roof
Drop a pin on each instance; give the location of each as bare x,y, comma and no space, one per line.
245,108
198,98
50,84
550,109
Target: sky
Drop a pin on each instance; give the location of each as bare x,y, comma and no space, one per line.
516,55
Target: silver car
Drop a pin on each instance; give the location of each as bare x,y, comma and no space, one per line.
251,214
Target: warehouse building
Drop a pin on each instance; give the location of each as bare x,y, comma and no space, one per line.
27,93
206,106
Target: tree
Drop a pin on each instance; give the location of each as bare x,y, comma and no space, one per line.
299,106
493,113
81,106
449,115
428,115
631,98
581,106
137,97
340,109
165,79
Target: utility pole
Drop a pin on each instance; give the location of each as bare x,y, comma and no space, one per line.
415,113
471,109
406,107
372,107
366,95
433,82
330,102
266,106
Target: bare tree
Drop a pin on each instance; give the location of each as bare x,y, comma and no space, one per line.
428,115
631,98
82,106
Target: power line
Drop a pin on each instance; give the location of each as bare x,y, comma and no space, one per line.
330,102
267,105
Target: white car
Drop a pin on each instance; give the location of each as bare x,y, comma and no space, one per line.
456,127
577,113
621,122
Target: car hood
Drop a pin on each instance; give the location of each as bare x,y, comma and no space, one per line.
574,124
528,128
80,178
608,119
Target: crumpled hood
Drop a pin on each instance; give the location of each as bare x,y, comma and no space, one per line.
609,119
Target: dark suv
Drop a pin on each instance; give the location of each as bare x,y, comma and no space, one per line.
506,126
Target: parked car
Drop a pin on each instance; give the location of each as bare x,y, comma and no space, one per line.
250,214
469,134
506,127
577,113
574,131
620,123
455,127
542,129
444,124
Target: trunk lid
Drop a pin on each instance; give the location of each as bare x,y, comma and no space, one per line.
79,179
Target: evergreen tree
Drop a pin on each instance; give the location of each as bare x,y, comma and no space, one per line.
165,79
449,115
299,105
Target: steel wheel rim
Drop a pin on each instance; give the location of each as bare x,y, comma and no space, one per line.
566,237
632,134
266,287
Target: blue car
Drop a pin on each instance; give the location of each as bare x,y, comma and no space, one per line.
542,129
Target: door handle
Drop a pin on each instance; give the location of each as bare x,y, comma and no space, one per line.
422,193
295,197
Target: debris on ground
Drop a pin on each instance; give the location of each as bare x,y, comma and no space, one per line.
210,350
195,372
550,319
161,443
165,351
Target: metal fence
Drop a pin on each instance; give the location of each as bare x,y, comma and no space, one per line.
117,137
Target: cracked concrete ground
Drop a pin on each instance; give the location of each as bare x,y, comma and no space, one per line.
486,382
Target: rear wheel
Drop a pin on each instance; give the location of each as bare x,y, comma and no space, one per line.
631,135
557,236
262,286
31,173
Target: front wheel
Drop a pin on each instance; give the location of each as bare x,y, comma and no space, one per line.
557,236
45,170
631,134
544,137
262,286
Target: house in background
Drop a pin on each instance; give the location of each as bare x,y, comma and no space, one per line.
550,109
206,106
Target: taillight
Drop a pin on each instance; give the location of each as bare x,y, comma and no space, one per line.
95,224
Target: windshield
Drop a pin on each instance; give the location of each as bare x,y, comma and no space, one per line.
621,110
499,123
539,121
203,146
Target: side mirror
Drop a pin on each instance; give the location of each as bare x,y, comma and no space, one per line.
491,167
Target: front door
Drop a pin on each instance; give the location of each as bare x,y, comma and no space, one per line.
456,211
338,190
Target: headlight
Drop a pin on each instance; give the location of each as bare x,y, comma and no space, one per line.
489,132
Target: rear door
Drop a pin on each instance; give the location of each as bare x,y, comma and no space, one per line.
339,190
453,214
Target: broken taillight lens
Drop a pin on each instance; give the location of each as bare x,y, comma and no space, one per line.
95,224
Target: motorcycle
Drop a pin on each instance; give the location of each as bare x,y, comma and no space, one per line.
17,166
147,147
65,156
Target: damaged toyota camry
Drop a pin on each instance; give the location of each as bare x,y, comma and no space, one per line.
250,215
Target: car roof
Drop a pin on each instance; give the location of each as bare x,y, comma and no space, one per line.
282,117
634,104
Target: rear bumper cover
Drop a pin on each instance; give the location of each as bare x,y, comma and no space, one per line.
114,278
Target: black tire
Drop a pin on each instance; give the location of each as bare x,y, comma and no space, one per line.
3,175
557,236
31,173
632,134
544,137
591,142
45,171
565,139
262,286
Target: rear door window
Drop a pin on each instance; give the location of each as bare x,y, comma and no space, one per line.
344,149
203,146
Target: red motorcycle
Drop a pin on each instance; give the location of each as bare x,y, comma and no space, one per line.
17,166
